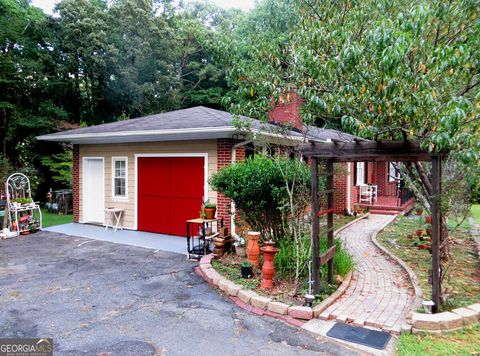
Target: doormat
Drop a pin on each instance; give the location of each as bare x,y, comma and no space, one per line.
359,335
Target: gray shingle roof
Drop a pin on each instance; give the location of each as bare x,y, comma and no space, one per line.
199,117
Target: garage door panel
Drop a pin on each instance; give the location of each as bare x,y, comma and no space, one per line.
187,177
155,176
182,210
170,191
155,213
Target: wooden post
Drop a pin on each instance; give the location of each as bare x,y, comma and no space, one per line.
329,188
315,226
436,230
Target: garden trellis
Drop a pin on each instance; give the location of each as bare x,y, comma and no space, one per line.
362,151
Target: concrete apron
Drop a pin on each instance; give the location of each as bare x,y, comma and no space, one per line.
168,243
321,327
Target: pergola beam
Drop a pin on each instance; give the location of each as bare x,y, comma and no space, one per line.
381,151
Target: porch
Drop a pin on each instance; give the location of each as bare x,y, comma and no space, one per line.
149,240
401,203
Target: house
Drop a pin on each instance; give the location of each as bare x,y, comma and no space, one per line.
156,167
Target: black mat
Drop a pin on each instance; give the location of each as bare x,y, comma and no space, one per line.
359,335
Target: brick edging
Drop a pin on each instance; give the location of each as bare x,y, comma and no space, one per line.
260,305
251,301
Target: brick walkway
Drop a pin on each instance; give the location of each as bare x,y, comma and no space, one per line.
380,294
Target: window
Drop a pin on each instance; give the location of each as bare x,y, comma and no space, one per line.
119,176
393,172
360,173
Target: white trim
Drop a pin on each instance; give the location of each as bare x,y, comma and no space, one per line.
349,184
194,154
84,159
358,182
155,135
114,197
53,137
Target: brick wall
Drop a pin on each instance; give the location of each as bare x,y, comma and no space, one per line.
340,187
76,182
224,158
384,186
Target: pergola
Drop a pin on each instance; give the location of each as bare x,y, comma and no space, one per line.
361,151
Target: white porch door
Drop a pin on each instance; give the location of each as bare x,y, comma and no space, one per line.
93,191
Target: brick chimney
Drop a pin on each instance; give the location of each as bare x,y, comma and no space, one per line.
287,110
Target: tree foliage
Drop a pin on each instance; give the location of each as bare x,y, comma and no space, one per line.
99,61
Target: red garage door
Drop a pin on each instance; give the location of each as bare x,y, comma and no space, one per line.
170,191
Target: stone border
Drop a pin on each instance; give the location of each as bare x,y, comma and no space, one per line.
446,321
260,305
251,301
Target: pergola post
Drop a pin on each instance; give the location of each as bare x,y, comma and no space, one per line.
315,225
329,189
436,230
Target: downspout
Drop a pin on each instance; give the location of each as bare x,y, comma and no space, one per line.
349,187
234,159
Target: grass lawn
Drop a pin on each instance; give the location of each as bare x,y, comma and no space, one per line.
50,219
464,342
475,211
463,284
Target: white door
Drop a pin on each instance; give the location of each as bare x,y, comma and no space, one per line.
93,190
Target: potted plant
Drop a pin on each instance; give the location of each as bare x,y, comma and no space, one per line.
240,246
246,268
418,209
209,210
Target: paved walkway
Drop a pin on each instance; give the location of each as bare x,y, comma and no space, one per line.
380,294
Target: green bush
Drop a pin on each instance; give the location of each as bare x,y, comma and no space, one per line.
258,188
342,262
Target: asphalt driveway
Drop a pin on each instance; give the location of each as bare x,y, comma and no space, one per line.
100,298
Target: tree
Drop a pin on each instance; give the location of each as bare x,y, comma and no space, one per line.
381,70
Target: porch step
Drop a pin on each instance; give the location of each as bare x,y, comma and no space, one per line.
385,212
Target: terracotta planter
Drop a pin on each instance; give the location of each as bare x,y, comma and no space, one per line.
428,219
423,247
419,232
418,212
268,268
253,250
210,213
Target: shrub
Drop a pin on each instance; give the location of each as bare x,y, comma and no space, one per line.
258,186
342,262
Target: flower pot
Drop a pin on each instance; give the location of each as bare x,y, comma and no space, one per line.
253,250
268,268
419,212
247,271
210,213
419,232
423,247
428,219
240,251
